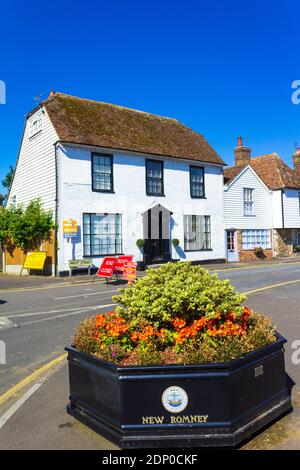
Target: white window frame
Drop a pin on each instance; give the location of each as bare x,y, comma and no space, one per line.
36,124
254,238
248,199
197,232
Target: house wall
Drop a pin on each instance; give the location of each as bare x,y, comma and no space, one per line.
291,208
130,200
234,217
234,203
35,172
277,209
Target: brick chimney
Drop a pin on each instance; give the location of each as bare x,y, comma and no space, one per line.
242,154
296,160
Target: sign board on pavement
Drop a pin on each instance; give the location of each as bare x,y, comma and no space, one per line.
35,260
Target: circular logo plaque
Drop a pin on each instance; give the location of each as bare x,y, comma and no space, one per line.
174,399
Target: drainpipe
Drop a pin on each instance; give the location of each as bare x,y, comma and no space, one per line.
282,210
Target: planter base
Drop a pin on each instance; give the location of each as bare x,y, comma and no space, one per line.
204,405
185,437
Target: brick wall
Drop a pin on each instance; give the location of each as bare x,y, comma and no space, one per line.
249,255
283,243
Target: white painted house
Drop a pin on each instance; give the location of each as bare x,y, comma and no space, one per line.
261,205
123,175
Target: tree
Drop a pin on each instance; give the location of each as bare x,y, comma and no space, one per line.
6,182
26,227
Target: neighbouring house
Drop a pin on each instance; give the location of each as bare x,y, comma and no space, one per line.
122,175
261,206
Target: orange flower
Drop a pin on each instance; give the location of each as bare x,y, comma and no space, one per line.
117,326
178,323
100,320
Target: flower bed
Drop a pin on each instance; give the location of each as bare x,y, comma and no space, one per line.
177,314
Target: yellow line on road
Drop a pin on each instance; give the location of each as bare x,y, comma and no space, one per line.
272,286
67,284
16,388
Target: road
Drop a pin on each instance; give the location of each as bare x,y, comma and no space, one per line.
36,324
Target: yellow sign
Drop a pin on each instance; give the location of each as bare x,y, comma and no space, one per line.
35,260
70,227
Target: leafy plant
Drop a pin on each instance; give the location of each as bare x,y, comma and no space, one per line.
175,242
6,182
259,252
178,313
140,243
297,248
25,227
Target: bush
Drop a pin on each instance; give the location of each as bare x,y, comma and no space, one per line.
140,243
178,313
297,248
259,252
175,242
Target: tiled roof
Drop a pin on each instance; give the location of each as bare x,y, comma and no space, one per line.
89,122
271,169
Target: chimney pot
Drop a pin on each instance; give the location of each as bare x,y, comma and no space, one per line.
52,93
240,141
242,154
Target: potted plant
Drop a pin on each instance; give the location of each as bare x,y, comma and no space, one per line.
180,361
140,264
175,243
259,252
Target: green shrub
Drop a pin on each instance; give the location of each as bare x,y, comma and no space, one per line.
177,289
175,242
140,243
177,314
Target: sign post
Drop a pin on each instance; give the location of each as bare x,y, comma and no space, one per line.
107,268
129,272
34,260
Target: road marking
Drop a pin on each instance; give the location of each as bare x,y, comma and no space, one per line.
6,323
85,295
15,314
88,282
63,315
272,286
67,284
14,408
30,378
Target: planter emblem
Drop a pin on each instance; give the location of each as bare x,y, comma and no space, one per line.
175,399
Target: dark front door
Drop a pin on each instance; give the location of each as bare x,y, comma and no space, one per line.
156,235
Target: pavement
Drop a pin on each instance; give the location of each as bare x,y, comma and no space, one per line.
33,415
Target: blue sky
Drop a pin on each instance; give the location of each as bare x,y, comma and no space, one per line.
224,68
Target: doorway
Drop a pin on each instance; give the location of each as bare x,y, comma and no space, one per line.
156,227
232,254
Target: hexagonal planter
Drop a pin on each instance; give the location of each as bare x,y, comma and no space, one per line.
205,405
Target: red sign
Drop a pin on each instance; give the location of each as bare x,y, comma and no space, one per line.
129,271
107,267
121,261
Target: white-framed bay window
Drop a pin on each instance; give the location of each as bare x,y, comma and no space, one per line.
248,201
197,232
102,234
253,238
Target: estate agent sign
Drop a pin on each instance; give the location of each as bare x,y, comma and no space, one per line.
70,228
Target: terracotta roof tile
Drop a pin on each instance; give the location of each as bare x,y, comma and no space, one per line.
271,169
89,122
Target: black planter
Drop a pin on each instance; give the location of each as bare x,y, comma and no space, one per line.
207,405
140,266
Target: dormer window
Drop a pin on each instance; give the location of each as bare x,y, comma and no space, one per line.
36,124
